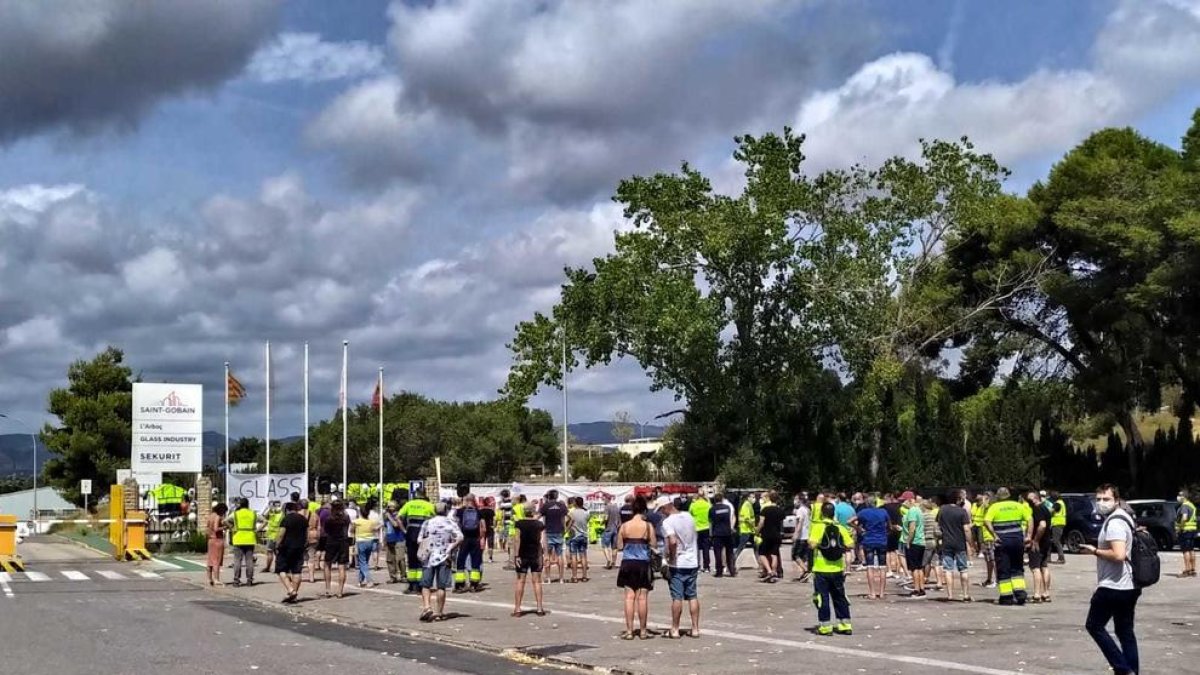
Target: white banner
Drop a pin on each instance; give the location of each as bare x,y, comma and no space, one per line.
262,489
168,427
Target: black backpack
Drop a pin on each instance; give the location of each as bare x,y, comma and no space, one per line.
1143,558
831,546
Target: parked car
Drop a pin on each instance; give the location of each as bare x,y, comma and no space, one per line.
1083,522
1158,517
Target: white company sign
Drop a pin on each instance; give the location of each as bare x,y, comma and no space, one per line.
168,421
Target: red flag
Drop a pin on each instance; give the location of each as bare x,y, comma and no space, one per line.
377,397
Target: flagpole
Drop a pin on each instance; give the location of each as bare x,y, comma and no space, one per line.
268,399
345,417
306,485
565,467
381,435
225,497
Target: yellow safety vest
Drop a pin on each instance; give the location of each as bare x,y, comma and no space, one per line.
244,521
1007,518
820,564
746,518
1059,517
1189,525
273,522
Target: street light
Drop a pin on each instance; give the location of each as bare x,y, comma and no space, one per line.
32,437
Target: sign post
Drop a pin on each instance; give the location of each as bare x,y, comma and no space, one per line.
168,427
85,488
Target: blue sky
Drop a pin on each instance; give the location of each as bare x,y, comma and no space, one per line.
187,183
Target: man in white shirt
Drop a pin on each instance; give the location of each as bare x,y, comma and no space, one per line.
683,559
1116,595
800,548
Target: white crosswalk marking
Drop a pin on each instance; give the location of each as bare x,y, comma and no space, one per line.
74,575
5,577
37,576
148,575
109,574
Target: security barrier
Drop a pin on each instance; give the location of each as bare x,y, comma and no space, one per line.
135,536
127,529
9,560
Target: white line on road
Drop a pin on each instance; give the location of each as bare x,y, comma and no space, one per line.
163,563
148,575
37,576
74,575
5,577
762,639
109,574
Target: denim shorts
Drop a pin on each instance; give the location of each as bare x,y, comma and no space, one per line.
608,539
578,544
436,577
954,562
683,583
554,544
876,556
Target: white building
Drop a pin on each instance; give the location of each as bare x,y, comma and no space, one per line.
49,503
640,447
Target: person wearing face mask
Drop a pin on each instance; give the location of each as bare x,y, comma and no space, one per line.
1186,524
1115,598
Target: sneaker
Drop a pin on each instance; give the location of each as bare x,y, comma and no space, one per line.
844,629
989,584
824,630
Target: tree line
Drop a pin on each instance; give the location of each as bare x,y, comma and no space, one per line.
911,323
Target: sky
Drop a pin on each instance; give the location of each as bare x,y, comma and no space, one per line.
187,181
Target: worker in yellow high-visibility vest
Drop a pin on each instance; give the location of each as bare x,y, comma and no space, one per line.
244,524
1008,522
1186,522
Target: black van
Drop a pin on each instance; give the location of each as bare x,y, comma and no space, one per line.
1083,521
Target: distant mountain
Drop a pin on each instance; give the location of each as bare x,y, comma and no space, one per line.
16,454
601,433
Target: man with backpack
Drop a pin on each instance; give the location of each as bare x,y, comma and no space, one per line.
830,542
1126,562
469,566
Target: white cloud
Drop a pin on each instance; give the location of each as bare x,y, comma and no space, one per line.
305,57
1146,52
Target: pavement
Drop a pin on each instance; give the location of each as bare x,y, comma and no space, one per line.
753,627
76,611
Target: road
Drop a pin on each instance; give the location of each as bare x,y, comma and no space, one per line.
73,611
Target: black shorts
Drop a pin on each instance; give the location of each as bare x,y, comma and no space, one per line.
525,566
337,552
769,547
893,542
914,557
1039,556
800,549
635,575
289,560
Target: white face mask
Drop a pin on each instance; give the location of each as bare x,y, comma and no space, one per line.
1179,499
1106,506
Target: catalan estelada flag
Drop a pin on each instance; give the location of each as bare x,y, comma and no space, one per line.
236,391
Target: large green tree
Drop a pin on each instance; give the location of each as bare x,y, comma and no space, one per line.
92,437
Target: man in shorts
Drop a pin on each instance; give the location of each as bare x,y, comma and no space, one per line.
955,524
1185,523
1037,541
527,544
876,533
770,528
290,544
800,548
441,536
554,516
504,524
577,545
608,540
913,537
682,548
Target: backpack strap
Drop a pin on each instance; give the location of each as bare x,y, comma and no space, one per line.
1132,530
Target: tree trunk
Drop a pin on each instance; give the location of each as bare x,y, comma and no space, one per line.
1133,443
879,435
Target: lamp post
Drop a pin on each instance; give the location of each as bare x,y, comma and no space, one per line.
32,437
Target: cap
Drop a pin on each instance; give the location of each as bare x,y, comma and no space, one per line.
907,495
661,502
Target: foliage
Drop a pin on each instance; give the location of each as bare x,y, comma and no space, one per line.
15,483
92,439
478,442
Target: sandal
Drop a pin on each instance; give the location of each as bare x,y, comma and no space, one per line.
694,634
541,612
672,635
517,613
440,617
427,616
627,635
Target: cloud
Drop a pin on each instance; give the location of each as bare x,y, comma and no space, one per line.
89,65
562,99
305,57
1145,53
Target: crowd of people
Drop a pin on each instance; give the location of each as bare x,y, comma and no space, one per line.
918,543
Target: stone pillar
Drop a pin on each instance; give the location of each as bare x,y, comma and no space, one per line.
204,494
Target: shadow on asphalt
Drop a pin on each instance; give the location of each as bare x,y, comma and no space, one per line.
448,657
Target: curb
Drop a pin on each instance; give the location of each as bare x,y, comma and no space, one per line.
515,654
